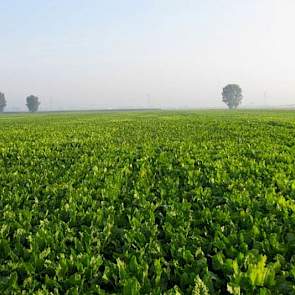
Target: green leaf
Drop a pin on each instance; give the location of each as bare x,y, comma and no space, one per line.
131,287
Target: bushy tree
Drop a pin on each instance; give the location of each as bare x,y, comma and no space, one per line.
3,102
33,103
232,95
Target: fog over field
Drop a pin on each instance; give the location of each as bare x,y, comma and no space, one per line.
148,53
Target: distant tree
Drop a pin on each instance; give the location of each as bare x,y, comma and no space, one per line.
3,102
33,103
232,95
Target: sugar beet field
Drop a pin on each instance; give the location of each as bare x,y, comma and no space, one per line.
148,203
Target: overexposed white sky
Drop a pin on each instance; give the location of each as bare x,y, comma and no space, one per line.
134,53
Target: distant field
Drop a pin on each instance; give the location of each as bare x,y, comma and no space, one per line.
148,203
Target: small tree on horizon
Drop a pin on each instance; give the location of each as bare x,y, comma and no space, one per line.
232,95
32,103
3,102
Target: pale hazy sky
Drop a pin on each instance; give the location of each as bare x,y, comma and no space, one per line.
114,53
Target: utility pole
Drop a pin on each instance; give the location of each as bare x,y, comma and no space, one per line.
149,101
265,98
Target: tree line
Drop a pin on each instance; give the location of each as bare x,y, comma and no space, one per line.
231,96
32,103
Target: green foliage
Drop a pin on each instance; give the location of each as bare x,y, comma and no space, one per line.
32,103
3,102
232,95
200,288
147,203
